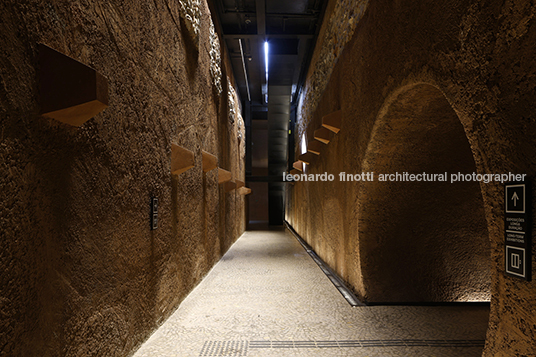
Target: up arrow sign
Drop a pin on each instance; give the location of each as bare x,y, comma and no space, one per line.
515,197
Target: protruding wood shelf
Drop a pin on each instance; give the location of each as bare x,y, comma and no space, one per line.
294,172
224,175
297,165
71,92
210,162
229,186
244,190
332,121
323,135
307,158
314,147
240,184
181,159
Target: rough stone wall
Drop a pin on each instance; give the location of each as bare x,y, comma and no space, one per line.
190,11
342,18
215,59
425,241
480,55
82,274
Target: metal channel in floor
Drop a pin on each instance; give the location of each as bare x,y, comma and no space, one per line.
241,348
267,298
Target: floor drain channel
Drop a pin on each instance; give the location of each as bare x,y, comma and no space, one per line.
334,278
241,348
224,349
365,343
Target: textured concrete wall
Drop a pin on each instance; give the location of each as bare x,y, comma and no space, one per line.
480,58
81,272
426,240
341,19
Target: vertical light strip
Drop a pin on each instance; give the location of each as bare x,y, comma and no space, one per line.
303,144
266,51
244,66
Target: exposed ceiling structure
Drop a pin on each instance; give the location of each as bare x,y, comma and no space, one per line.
270,43
288,27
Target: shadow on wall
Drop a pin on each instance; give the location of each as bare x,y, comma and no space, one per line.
422,241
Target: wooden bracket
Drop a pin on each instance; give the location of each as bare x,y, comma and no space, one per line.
229,186
294,172
224,175
298,165
71,92
181,159
244,190
323,135
210,162
314,147
240,184
307,158
333,121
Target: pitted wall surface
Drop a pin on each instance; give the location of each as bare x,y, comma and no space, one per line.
82,274
480,56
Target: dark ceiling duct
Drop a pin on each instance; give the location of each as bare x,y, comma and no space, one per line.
278,124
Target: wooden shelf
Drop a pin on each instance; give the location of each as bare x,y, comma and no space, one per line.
307,158
210,162
71,92
229,186
244,190
332,121
323,135
224,175
181,159
298,165
314,147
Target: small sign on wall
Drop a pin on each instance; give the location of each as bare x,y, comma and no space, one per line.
154,213
517,230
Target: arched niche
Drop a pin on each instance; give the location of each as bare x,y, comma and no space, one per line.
422,241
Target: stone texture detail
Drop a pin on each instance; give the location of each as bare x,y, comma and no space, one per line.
191,13
338,31
480,58
215,59
82,273
235,121
233,102
239,126
235,114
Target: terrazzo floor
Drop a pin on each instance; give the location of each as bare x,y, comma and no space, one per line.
267,297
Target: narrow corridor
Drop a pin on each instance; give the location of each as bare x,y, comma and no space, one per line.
267,297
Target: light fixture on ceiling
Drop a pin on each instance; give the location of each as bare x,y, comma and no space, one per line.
266,52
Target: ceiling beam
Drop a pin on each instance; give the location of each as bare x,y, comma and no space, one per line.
260,10
252,36
274,14
298,67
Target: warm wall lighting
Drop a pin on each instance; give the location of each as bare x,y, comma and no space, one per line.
303,144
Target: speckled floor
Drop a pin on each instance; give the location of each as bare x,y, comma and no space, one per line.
267,297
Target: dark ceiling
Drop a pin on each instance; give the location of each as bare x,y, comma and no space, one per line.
290,28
